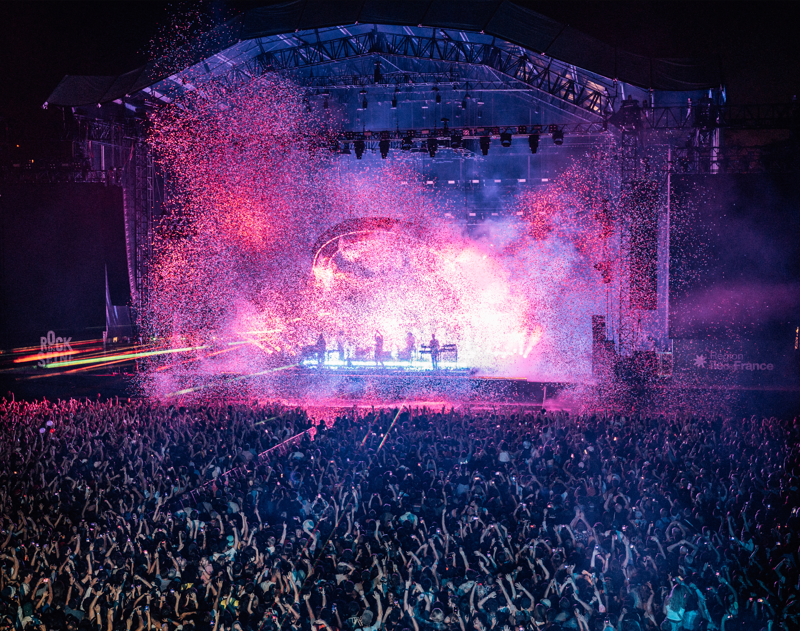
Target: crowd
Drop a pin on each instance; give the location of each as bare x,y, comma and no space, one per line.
133,515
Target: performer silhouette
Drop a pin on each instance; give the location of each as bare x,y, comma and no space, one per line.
340,345
434,344
411,345
319,348
379,349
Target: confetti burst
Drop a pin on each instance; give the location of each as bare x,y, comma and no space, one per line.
252,190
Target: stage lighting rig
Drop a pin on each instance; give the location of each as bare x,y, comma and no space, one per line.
383,146
533,142
359,146
485,141
558,137
505,139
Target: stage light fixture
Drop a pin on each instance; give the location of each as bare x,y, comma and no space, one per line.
455,141
464,104
433,145
394,102
407,144
505,139
485,141
383,146
558,137
359,146
364,104
533,142
438,96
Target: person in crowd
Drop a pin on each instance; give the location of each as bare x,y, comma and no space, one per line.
134,516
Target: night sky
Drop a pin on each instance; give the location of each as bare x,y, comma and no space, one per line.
40,42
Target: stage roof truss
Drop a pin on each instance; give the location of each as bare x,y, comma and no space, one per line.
321,52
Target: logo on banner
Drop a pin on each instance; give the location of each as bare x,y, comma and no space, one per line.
54,349
730,362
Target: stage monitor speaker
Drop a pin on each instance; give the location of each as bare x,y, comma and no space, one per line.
642,208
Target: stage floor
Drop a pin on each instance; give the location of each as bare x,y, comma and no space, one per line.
301,383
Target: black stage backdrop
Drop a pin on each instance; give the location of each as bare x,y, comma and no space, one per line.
735,257
56,241
735,280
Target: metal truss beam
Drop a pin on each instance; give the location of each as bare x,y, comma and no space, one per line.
473,133
536,72
406,79
708,116
732,159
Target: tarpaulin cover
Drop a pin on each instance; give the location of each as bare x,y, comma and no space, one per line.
499,18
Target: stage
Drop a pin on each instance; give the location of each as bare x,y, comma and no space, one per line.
358,384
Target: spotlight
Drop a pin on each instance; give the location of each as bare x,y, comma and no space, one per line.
505,139
394,102
433,145
364,104
359,146
533,142
558,137
438,96
485,142
383,145
455,141
407,144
